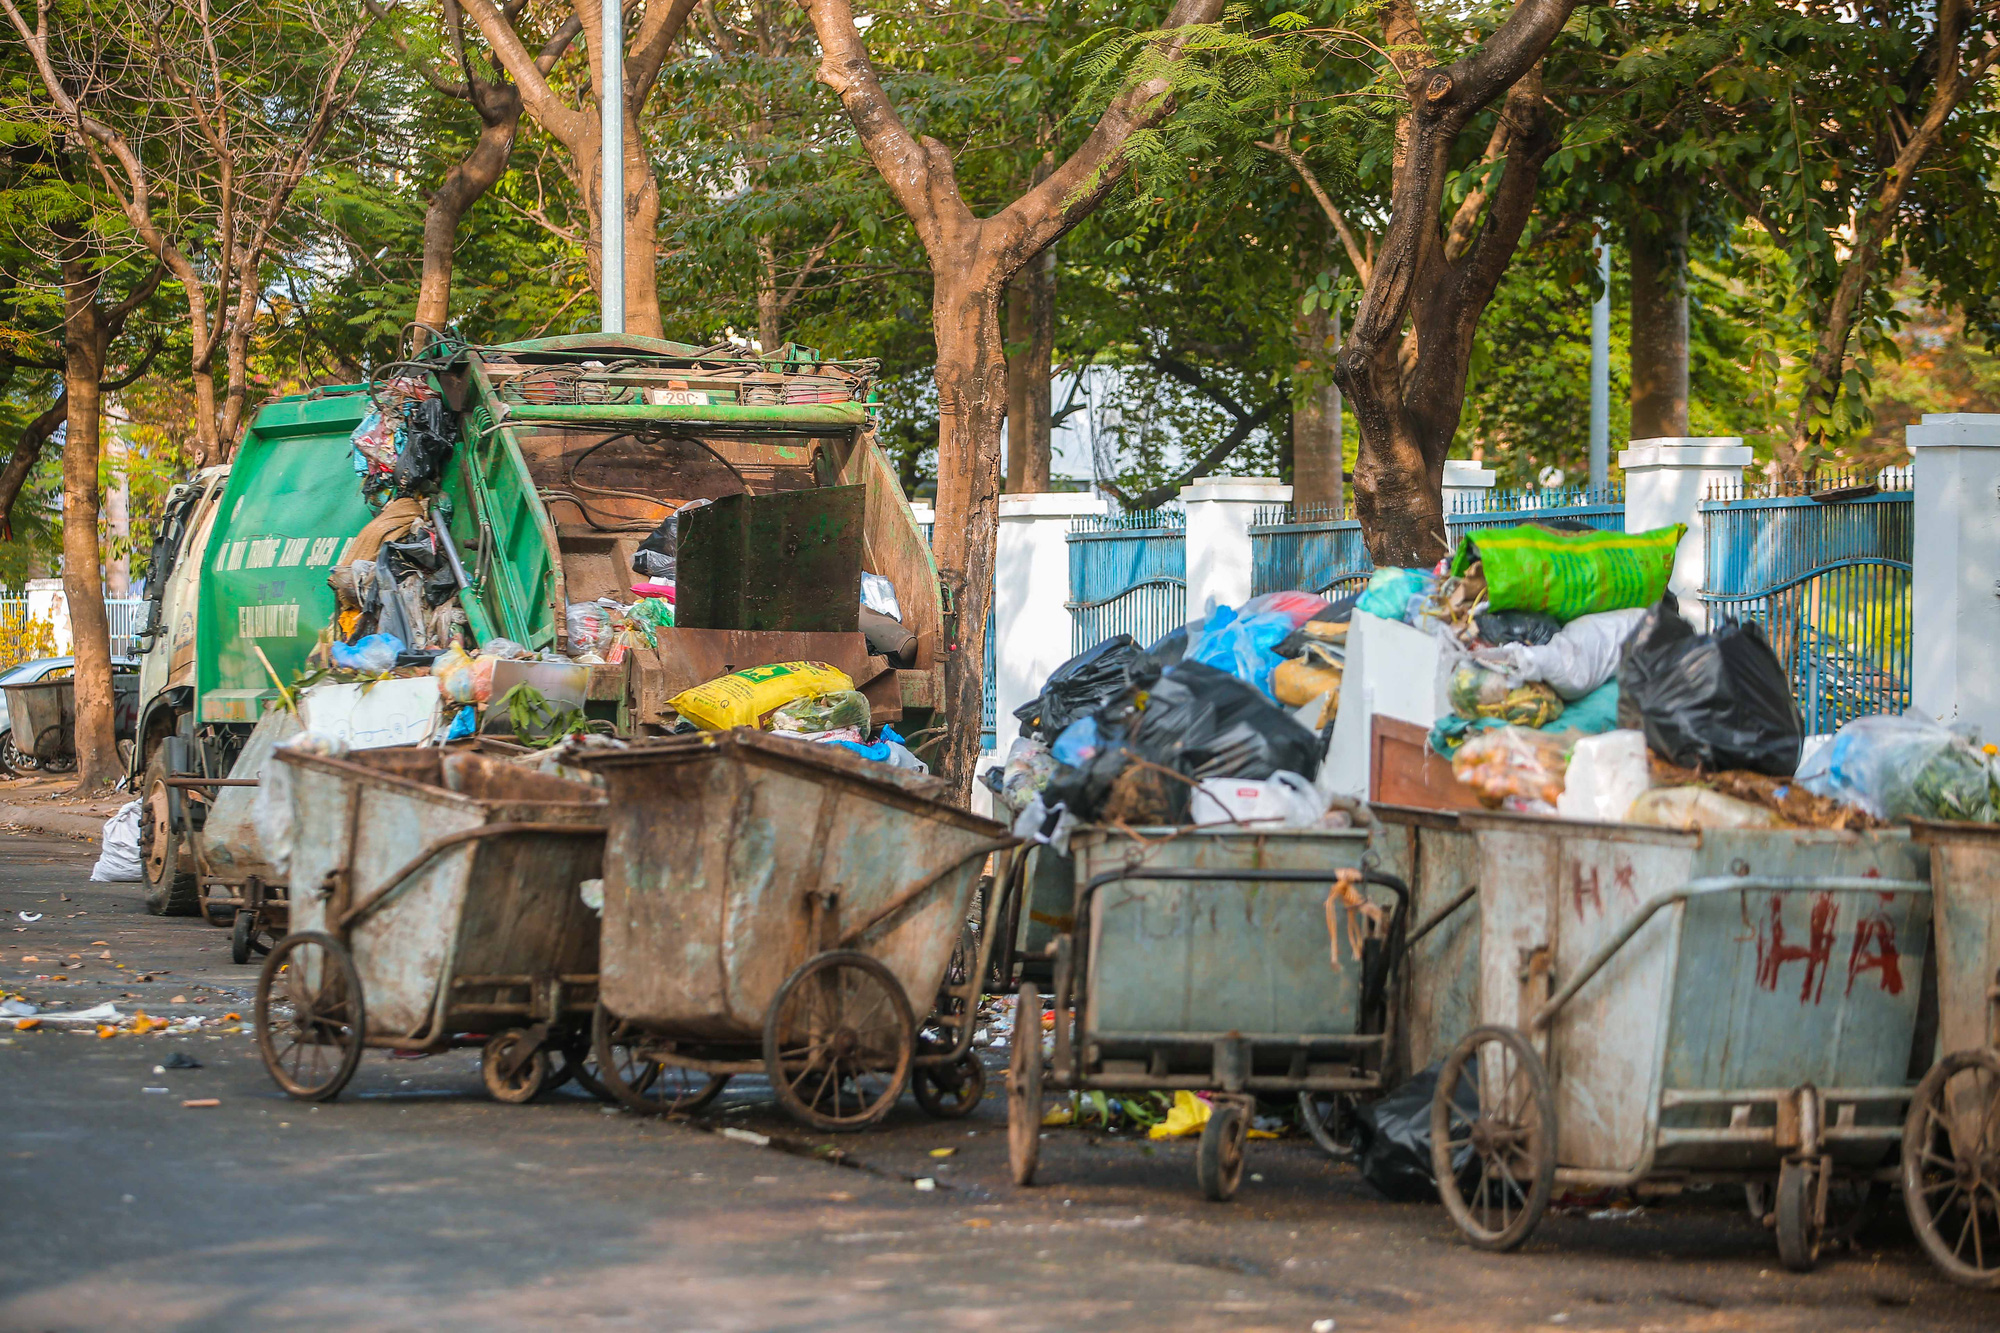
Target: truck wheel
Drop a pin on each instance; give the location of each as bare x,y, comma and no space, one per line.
170,891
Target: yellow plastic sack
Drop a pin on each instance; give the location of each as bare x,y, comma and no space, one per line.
1188,1114
740,698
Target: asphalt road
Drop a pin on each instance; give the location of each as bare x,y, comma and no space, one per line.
414,1202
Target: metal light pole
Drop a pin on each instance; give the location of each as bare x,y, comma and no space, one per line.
1600,372
611,134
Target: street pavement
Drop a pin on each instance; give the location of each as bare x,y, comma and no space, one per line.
415,1202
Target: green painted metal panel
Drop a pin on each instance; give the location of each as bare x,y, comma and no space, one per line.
290,510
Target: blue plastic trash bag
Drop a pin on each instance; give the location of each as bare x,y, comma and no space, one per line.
888,748
1077,743
462,724
373,655
1393,592
1243,646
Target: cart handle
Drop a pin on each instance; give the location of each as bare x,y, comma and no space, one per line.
1437,918
1696,888
910,895
397,883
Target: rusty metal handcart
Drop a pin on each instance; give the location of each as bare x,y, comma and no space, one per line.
435,903
781,907
1216,958
1665,1008
1951,1139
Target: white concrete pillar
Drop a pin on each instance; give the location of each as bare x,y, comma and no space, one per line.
1465,485
1665,482
1219,513
1955,599
1033,626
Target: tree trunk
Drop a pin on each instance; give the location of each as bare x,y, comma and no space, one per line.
770,325
1660,326
499,108
207,443
972,383
83,581
1317,480
1040,281
1017,383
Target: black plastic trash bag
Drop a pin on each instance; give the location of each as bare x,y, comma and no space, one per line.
1393,1137
1529,627
1711,701
1190,723
1169,648
429,431
1079,687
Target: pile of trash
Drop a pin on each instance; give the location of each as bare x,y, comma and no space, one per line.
1576,688
1224,720
806,701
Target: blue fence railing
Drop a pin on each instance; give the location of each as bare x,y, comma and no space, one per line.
1321,550
1127,575
1826,574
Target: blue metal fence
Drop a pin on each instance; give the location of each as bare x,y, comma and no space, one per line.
1320,549
1825,570
1127,574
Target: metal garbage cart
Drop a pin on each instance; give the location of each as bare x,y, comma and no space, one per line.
43,713
1662,1007
1951,1138
777,906
435,903
1219,958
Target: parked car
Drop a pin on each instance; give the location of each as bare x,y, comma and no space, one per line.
48,668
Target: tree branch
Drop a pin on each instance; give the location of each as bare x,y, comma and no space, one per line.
1356,254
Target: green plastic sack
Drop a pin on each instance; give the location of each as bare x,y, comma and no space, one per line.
1570,574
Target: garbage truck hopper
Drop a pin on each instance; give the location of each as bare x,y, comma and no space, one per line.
575,450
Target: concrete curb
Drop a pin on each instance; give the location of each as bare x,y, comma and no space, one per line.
63,823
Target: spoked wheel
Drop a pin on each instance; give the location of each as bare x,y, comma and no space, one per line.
246,939
1493,1138
1326,1116
1218,1162
1800,1212
49,743
647,1086
11,757
1951,1166
838,1041
509,1074
310,1018
1024,1087
950,1092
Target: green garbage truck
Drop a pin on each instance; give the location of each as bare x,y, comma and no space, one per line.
565,457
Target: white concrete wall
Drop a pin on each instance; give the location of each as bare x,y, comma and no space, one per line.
1033,626
1665,482
1219,513
1955,571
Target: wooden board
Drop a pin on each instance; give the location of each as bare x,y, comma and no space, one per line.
1404,770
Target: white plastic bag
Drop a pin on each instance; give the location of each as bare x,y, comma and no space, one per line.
272,813
1283,800
1581,657
589,628
879,596
119,861
1606,774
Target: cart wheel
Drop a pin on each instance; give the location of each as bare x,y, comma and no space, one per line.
838,1041
953,1091
314,1045
11,757
243,938
1951,1166
1798,1213
1024,1087
646,1086
530,1078
1493,1111
1218,1162
1324,1116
